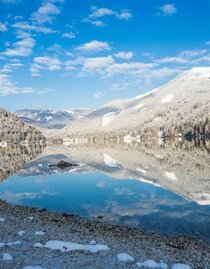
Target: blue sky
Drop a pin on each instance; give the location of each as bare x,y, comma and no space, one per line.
82,53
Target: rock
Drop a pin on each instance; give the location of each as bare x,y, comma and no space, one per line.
63,164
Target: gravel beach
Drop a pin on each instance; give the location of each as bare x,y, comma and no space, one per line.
34,238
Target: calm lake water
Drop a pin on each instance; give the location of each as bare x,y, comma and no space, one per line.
123,186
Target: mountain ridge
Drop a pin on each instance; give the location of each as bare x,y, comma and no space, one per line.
52,119
177,107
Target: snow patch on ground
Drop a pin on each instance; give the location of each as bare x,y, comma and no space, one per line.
107,118
21,233
139,106
109,161
171,176
167,99
202,198
29,218
92,242
144,180
124,257
7,257
33,267
10,244
128,139
70,246
143,171
2,219
152,264
180,266
40,233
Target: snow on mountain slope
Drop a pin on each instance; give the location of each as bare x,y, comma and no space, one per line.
183,99
51,118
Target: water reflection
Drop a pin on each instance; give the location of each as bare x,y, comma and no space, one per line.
161,187
12,158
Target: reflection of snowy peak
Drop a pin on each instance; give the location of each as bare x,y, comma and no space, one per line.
183,99
179,166
41,166
51,118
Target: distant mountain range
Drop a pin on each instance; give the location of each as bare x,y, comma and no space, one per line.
56,119
180,107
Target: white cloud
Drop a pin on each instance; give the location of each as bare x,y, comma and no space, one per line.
44,63
46,12
133,68
192,53
120,86
70,35
3,27
124,55
161,73
168,60
70,65
107,68
97,23
184,57
22,48
55,48
202,60
97,95
97,62
95,65
8,87
11,66
167,10
35,28
94,46
124,14
98,13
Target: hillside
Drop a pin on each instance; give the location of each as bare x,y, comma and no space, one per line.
56,119
13,130
180,107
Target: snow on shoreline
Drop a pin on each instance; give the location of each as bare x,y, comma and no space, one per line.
71,246
109,161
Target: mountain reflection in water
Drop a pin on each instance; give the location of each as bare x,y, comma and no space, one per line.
161,187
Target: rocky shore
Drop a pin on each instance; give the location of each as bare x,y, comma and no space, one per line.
36,238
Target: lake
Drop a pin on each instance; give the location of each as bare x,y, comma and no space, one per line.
158,188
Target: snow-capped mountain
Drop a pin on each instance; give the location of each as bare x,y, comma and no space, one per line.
183,101
51,118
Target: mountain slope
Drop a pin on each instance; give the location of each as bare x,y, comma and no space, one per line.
14,130
51,118
180,106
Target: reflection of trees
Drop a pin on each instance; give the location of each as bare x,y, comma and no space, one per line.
187,162
12,158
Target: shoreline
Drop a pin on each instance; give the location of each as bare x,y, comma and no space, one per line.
26,232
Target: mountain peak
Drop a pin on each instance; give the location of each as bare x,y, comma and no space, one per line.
200,71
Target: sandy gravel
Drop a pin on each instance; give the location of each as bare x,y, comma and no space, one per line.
53,226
